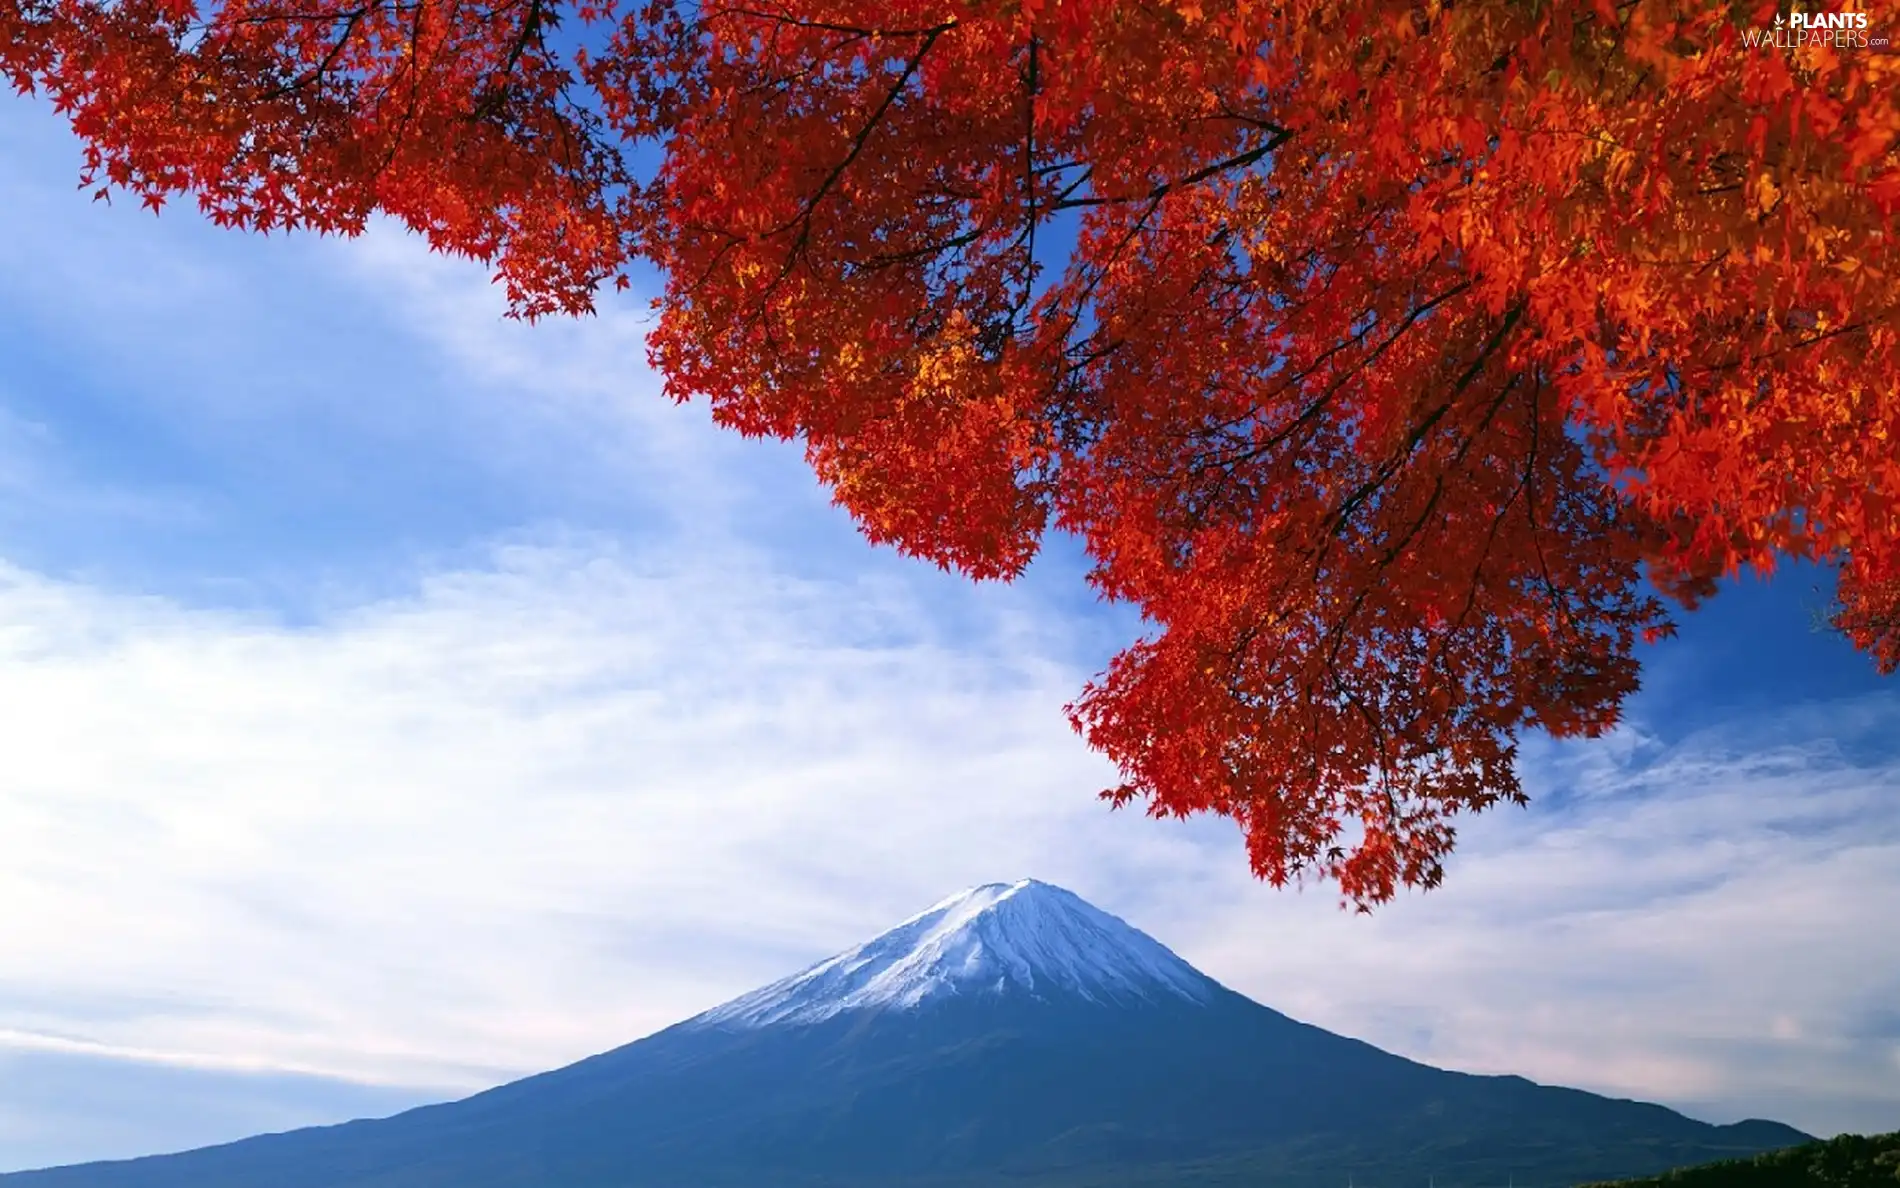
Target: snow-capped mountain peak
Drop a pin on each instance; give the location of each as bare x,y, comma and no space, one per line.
1026,937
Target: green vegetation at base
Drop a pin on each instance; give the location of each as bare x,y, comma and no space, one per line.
1850,1161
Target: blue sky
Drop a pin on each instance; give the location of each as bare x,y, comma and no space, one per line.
400,700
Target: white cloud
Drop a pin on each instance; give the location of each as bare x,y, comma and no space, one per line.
1710,925
526,812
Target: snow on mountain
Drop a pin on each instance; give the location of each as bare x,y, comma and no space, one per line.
1002,937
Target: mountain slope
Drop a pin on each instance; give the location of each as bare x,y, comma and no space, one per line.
1013,1034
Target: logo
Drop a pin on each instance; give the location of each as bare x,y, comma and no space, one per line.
1825,20
1799,29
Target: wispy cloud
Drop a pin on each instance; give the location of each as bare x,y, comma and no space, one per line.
521,813
1704,922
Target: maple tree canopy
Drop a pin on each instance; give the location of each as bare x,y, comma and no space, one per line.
1402,362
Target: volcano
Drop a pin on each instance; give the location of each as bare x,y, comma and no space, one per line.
1011,1035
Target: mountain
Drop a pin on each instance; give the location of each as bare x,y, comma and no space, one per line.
1010,1035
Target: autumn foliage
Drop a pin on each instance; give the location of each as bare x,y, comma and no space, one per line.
1403,363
